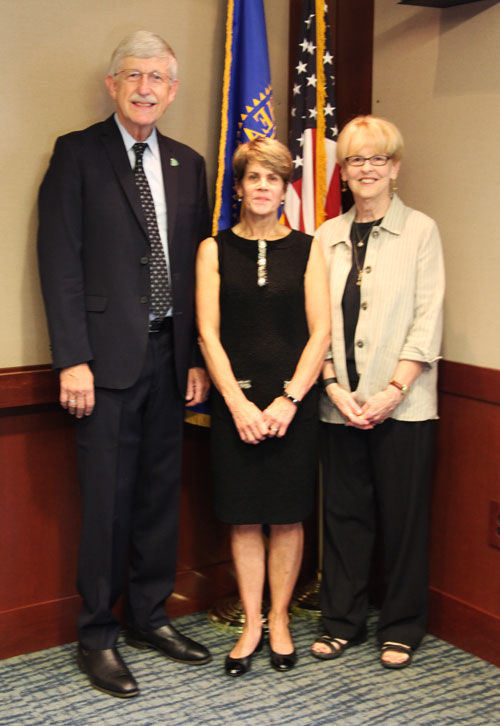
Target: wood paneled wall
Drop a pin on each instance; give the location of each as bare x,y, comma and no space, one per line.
40,519
465,567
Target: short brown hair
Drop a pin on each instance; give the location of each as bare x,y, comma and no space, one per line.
269,152
362,130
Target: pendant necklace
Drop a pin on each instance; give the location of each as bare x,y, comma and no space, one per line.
360,242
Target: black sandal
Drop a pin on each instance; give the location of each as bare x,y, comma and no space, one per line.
399,648
332,643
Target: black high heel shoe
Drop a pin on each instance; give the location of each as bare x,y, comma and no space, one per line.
283,663
239,666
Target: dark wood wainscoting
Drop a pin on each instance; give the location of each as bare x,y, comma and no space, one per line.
39,519
465,567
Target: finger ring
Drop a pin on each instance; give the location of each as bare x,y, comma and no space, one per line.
273,429
71,400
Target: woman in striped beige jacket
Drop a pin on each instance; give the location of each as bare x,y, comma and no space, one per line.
379,401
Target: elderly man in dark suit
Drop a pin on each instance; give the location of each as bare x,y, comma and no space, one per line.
122,209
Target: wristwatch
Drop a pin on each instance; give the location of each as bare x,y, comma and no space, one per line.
401,387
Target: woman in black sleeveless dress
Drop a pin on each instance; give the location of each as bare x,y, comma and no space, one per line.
262,307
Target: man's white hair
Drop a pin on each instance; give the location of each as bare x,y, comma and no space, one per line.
143,44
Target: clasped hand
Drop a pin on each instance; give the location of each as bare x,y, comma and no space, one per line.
374,411
254,425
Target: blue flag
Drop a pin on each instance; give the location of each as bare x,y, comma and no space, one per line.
247,102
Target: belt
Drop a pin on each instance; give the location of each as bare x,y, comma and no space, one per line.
159,324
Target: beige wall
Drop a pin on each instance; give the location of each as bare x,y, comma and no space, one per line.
54,54
437,76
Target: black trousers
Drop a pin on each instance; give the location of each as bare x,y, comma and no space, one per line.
386,469
129,458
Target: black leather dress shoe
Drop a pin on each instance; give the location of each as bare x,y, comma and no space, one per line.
171,643
283,663
239,666
107,672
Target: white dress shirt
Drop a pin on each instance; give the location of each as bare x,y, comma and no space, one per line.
151,162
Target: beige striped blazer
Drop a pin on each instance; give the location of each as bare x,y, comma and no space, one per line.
401,306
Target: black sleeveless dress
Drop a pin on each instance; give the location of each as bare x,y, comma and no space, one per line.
263,329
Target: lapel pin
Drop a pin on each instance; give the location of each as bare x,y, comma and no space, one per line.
173,162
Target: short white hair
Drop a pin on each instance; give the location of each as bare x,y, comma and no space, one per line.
143,44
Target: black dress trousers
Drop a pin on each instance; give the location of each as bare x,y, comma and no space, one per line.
385,470
129,458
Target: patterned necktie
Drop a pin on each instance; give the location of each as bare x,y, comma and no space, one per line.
161,293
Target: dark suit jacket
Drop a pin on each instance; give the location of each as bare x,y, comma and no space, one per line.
94,253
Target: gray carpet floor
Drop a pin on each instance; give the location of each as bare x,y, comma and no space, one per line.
443,686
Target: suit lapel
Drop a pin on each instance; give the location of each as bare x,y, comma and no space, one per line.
170,168
115,148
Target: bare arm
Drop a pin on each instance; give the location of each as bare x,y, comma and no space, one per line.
248,418
281,411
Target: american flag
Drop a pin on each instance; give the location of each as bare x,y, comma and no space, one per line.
314,193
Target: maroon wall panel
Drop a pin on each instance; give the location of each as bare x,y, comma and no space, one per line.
39,519
465,568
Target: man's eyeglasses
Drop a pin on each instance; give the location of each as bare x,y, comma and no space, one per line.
155,78
377,160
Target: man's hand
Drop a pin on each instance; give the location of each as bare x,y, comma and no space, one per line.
198,386
77,390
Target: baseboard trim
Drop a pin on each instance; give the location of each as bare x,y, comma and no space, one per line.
465,626
38,626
